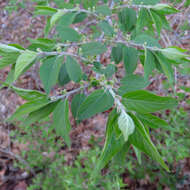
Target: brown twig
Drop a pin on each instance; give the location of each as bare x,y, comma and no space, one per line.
17,157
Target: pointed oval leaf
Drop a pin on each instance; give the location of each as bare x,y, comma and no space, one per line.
127,19
141,140
27,94
24,61
73,69
93,48
63,77
49,72
77,100
67,33
145,102
56,17
130,56
153,122
39,114
117,53
98,101
8,49
28,108
149,63
132,83
113,144
61,121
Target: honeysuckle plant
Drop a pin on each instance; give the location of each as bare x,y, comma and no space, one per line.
76,35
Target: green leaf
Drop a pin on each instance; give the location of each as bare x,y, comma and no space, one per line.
73,69
56,17
93,48
157,21
29,107
106,28
149,63
67,33
126,125
97,102
43,112
145,102
146,2
153,122
8,49
104,10
44,10
8,58
80,17
143,20
24,61
174,53
61,121
113,144
164,20
65,20
132,83
164,9
49,72
141,140
120,157
138,155
63,77
27,94
145,39
10,77
43,43
109,70
77,100
127,19
130,56
117,53
166,66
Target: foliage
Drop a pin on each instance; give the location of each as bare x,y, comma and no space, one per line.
131,39
51,165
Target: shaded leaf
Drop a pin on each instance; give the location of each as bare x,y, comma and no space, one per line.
28,108
43,112
67,33
61,121
63,77
97,102
93,48
77,100
56,17
113,143
117,53
106,28
49,72
166,67
149,64
141,140
130,56
127,18
73,69
104,10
